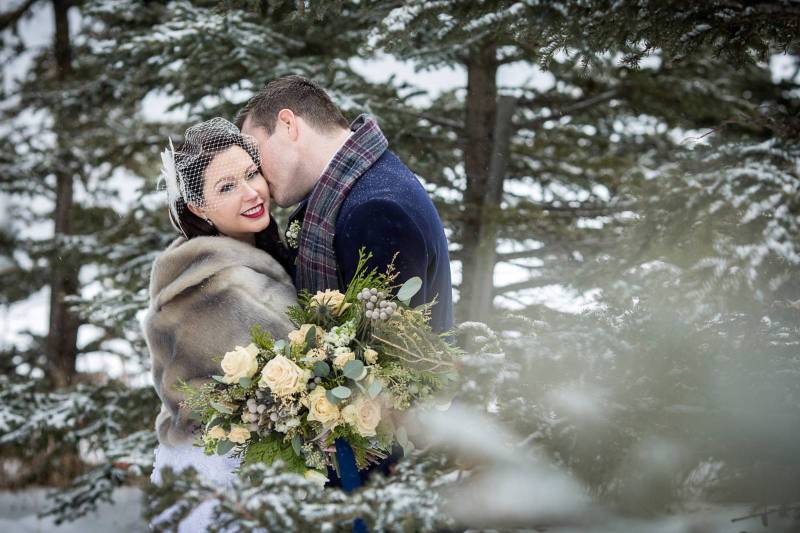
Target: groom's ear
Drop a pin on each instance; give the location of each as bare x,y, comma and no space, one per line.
287,121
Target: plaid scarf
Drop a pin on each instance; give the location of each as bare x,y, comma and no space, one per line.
316,266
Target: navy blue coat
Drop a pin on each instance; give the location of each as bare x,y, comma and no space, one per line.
389,211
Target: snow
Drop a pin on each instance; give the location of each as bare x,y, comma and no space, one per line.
28,315
783,67
29,30
381,68
18,514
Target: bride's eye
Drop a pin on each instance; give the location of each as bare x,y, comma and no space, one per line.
228,187
252,174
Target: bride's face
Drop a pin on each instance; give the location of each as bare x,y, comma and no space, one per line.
235,194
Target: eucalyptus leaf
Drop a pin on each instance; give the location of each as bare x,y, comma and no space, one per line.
341,392
353,369
220,408
220,379
297,445
409,289
321,369
279,345
224,446
216,421
360,387
374,388
311,338
331,398
245,382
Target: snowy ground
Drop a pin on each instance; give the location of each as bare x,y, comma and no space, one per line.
18,514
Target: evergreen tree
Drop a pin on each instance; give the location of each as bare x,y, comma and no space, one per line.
512,139
693,245
64,137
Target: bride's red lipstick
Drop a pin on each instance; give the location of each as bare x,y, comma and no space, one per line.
256,214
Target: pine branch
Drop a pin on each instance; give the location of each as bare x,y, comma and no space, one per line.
571,109
433,119
528,284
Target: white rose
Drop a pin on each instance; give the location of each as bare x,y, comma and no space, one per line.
316,476
298,336
342,356
283,376
216,433
240,363
364,415
370,356
320,409
239,434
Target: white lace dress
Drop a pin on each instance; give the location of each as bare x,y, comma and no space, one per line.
215,469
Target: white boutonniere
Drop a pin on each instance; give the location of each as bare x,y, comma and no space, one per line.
293,234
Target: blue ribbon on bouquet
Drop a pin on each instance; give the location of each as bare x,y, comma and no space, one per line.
350,478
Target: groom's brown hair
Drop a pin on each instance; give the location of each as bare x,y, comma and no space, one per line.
305,98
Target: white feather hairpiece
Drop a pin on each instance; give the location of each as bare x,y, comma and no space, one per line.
169,173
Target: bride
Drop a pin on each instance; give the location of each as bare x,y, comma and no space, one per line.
225,272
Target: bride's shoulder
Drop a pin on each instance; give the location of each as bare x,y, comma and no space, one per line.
186,263
183,252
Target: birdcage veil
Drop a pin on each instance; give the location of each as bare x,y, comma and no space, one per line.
202,172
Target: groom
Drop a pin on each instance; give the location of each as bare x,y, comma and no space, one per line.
352,192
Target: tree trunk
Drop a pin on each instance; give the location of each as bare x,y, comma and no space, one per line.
481,110
484,258
61,348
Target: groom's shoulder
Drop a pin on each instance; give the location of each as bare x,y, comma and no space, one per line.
387,179
388,173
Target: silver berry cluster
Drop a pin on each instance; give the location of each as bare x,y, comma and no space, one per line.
255,408
261,411
378,307
312,383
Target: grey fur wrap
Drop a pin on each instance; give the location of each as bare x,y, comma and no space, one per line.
206,293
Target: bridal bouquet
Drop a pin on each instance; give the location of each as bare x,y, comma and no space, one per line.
354,361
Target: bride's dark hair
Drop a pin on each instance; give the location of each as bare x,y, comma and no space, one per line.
192,159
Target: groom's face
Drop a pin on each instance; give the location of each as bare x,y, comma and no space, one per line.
279,162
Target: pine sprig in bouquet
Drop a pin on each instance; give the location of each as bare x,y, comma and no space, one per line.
355,360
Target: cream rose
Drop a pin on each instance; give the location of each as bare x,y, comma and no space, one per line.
370,356
342,355
240,363
298,336
216,433
334,300
364,415
239,434
283,376
320,409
